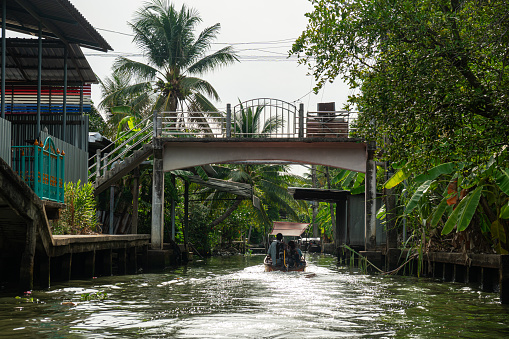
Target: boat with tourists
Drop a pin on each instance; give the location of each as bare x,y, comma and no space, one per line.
283,256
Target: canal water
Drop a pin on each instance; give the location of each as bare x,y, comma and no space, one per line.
232,297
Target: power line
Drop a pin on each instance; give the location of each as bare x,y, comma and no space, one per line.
215,43
303,97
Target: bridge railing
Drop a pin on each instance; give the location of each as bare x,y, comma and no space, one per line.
257,118
127,143
193,124
41,166
324,124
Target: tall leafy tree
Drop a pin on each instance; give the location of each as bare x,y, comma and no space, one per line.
432,73
434,83
175,58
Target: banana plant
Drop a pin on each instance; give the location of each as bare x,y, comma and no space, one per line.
462,198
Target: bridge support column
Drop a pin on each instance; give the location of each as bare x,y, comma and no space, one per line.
341,224
136,194
156,238
370,198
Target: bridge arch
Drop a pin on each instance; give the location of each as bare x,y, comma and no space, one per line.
348,155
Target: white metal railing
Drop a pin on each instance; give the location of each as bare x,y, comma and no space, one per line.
193,124
266,118
104,161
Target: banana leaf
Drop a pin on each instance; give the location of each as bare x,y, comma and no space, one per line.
503,180
381,213
464,212
417,196
437,171
397,178
439,211
504,212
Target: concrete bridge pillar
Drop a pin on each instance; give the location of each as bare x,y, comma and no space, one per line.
157,198
370,196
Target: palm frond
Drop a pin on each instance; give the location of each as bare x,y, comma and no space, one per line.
199,85
203,104
203,41
223,57
136,69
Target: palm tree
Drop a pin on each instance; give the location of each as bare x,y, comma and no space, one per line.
175,57
269,183
248,122
123,102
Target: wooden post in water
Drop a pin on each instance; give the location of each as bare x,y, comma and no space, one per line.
136,194
112,209
42,268
186,212
26,270
341,224
103,262
132,260
504,279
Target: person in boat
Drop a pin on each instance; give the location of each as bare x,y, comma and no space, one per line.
295,255
275,248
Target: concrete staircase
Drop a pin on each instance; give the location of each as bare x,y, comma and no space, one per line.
122,168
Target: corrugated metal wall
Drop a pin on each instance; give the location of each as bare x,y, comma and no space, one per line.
24,128
5,140
356,211
76,160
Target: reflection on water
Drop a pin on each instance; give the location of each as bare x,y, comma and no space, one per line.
232,297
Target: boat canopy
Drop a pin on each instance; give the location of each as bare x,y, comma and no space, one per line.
288,229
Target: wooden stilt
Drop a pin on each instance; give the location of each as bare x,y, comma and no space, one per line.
26,271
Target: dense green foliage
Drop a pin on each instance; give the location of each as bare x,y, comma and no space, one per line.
79,216
433,84
432,73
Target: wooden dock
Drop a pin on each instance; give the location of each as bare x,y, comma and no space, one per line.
488,272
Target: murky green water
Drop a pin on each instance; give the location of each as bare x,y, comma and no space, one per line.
232,297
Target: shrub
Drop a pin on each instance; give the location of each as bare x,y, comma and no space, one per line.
79,216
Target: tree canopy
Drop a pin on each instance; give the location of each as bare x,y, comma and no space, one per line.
431,73
175,58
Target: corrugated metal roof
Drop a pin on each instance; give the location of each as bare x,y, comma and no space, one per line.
22,62
59,19
288,229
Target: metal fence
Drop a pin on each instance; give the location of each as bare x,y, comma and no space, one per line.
76,163
41,166
255,120
265,117
193,124
125,145
5,140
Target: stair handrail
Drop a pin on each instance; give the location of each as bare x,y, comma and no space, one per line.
102,162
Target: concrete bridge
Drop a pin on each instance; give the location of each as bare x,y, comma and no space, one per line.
181,140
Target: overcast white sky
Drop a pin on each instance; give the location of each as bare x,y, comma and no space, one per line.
261,31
